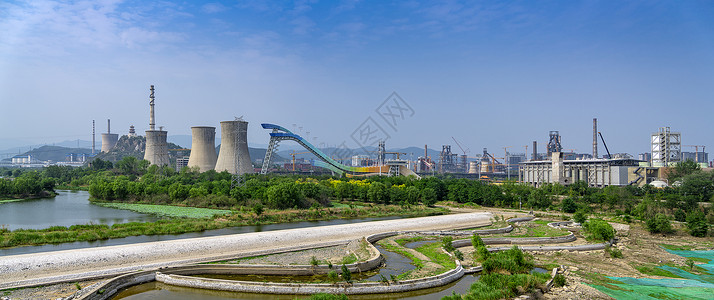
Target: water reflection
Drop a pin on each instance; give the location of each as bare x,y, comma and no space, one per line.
66,209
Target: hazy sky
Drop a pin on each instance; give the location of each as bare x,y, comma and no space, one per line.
491,74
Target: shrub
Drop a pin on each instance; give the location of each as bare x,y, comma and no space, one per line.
332,276
569,205
258,209
482,253
613,252
314,262
446,243
659,224
599,229
346,274
512,260
559,280
476,241
680,216
459,255
580,216
697,224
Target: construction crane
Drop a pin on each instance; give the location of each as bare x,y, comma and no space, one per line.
696,150
296,153
603,143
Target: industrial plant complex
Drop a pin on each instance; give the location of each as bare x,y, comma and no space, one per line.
554,165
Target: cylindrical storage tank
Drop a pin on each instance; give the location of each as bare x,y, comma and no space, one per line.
203,148
234,144
157,150
484,165
473,167
109,140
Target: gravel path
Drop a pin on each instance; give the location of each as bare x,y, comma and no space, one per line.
74,265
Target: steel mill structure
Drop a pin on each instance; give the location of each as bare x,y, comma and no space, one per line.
157,150
203,148
234,156
109,139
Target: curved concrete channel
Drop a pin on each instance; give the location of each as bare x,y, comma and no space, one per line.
181,276
82,264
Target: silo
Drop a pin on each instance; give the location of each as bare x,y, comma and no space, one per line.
157,150
234,144
473,167
203,148
109,139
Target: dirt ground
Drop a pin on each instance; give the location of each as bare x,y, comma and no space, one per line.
56,291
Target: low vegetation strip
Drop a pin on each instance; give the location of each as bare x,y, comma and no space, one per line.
91,232
167,210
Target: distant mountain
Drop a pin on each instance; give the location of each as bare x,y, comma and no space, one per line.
55,153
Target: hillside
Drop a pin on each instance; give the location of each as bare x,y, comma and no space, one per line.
134,146
54,153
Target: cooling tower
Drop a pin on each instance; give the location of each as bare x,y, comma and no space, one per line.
234,144
203,148
109,140
157,151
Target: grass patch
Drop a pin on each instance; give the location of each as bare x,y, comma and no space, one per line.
677,247
435,254
699,259
540,230
653,270
601,280
404,241
349,259
167,210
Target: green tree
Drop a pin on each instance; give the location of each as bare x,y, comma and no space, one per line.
428,196
569,205
683,168
346,274
284,195
659,224
697,224
378,193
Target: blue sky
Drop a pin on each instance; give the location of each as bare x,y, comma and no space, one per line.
490,74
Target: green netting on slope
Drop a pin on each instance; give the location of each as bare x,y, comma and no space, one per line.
694,286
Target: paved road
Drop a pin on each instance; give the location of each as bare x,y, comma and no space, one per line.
73,265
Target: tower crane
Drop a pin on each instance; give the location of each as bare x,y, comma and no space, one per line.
296,153
696,150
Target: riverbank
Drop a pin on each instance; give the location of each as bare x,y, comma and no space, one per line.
93,232
72,265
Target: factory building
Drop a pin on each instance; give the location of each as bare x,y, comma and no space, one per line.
666,147
594,172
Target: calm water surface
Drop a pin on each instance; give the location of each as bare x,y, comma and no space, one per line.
66,209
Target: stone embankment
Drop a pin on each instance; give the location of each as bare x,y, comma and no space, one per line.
74,265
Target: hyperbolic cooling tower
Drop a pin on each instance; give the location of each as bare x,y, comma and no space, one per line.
109,139
234,144
157,150
203,148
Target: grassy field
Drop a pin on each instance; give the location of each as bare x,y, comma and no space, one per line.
167,210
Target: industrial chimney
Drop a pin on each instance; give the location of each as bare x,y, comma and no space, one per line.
535,151
157,150
109,139
594,138
203,148
234,156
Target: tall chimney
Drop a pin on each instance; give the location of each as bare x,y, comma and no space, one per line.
595,138
425,155
151,110
535,151
109,126
92,136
